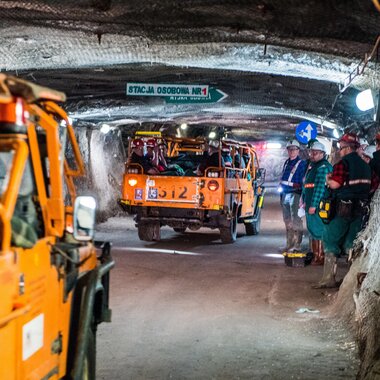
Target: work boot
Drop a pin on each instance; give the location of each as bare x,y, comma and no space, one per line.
297,240
289,240
329,273
318,254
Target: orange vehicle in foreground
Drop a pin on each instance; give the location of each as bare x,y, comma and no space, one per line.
222,196
54,287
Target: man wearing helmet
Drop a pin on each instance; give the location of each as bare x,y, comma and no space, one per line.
212,159
313,191
349,184
137,157
367,156
291,188
375,162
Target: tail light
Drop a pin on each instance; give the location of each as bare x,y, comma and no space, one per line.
213,185
213,174
132,182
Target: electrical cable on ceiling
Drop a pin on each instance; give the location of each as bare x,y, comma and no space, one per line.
360,67
330,111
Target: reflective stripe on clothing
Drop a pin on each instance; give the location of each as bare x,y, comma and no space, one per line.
292,175
292,184
359,181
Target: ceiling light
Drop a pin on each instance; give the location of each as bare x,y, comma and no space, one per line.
105,128
273,145
212,135
364,100
183,126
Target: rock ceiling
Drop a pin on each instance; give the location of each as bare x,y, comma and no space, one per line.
279,62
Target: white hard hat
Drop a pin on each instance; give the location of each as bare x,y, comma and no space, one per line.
293,143
369,150
214,143
363,141
317,145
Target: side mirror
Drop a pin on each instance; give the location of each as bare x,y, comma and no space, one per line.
84,218
260,176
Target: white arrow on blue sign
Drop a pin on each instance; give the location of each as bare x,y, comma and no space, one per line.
305,131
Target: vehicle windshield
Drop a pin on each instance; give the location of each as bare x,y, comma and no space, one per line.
6,161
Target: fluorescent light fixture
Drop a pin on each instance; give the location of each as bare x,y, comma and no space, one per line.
364,100
212,135
183,126
335,133
105,128
273,145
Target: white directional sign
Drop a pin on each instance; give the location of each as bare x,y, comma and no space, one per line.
149,89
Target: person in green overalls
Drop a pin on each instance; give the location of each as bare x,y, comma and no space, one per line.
350,183
313,190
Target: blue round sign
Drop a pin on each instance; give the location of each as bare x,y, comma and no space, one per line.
305,131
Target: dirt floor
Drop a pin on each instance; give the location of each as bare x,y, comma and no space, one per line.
189,307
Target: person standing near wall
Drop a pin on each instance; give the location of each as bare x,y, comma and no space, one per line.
350,183
291,187
375,162
313,190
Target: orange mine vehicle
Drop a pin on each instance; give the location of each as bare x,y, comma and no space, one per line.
53,281
193,184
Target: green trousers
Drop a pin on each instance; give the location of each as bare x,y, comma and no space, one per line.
315,226
340,233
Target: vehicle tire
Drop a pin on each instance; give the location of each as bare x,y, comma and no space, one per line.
249,228
228,234
148,231
89,362
257,224
180,230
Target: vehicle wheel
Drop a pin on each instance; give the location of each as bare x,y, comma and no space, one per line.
229,234
256,225
249,228
149,231
180,230
89,362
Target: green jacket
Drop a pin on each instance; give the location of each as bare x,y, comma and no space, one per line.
314,186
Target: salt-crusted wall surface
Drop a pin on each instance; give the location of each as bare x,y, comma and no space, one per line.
104,159
358,301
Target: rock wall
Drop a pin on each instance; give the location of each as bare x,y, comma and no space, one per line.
358,301
104,159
